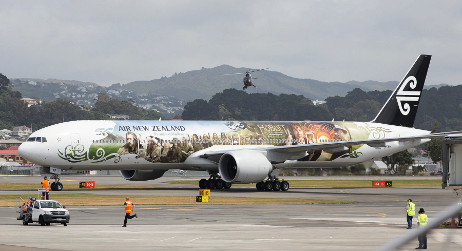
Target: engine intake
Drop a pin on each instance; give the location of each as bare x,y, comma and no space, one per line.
244,166
141,175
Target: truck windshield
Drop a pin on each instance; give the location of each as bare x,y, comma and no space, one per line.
50,204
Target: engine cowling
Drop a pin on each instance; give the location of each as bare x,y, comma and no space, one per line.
244,166
141,175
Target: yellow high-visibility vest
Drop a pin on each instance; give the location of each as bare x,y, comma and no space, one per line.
422,219
411,209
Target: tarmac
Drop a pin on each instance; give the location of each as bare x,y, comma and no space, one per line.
377,217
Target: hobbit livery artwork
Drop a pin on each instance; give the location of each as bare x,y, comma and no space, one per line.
170,143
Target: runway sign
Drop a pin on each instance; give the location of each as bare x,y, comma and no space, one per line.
202,198
87,184
380,183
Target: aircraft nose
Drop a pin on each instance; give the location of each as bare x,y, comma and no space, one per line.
25,151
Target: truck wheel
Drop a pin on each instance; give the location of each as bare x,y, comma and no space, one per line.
41,221
25,222
48,223
65,224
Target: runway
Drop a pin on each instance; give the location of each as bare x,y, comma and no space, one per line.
376,218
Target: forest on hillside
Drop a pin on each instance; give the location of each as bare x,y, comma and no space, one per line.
439,107
14,112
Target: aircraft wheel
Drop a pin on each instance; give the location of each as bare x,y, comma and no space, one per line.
276,185
227,185
284,186
203,184
53,186
59,186
260,186
211,184
219,184
268,186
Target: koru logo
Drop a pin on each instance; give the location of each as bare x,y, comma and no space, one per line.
407,96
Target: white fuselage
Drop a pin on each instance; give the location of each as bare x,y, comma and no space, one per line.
104,145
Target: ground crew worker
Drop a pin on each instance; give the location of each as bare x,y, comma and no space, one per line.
422,221
45,188
129,208
410,212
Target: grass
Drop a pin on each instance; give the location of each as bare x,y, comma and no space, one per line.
338,183
117,200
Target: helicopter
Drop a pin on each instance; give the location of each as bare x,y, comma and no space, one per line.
248,79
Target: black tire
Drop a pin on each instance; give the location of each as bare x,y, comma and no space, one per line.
284,186
211,184
65,224
53,186
59,186
219,184
203,184
48,223
276,185
260,186
41,221
25,222
268,186
227,185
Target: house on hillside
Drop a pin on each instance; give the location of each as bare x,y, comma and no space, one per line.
21,132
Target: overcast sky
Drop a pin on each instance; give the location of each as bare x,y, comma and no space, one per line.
110,42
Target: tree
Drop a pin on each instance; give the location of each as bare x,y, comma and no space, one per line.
4,82
434,148
400,159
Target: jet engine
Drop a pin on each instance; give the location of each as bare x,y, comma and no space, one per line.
244,166
141,175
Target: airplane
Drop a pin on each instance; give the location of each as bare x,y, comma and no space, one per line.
233,151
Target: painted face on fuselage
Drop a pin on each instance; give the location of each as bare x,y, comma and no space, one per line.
130,139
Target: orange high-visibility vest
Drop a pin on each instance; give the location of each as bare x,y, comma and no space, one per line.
128,207
45,186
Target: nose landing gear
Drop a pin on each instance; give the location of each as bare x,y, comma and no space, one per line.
56,185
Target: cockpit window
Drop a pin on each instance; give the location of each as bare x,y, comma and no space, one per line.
37,139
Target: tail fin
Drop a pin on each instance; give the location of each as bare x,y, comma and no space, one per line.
401,107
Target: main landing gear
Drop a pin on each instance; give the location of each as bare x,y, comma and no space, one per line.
273,184
214,182
56,185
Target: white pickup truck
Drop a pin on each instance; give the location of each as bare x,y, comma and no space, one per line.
44,212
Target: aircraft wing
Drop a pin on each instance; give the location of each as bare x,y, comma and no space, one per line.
370,142
215,155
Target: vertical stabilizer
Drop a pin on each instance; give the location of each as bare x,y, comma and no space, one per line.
401,107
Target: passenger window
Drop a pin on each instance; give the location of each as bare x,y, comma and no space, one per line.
31,139
44,139
38,139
